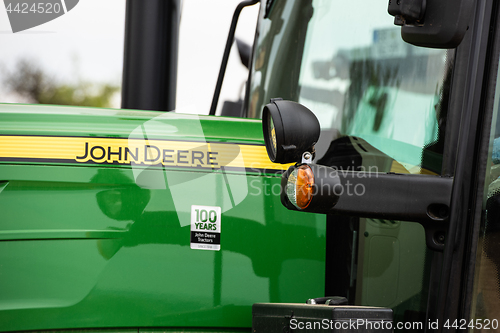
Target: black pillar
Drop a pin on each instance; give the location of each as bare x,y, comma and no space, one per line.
150,59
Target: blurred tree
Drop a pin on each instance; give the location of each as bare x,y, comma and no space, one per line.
30,82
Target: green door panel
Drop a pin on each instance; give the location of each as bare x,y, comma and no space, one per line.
91,246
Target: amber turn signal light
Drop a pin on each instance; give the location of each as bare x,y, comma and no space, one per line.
299,187
310,188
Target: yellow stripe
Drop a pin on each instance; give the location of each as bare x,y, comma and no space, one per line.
169,153
137,151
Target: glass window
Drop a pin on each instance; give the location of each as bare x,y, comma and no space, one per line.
360,79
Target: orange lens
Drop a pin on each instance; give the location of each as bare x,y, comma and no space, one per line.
299,188
304,187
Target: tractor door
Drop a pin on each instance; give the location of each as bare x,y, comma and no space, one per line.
388,107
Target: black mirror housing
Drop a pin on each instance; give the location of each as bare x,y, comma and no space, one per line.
432,23
290,129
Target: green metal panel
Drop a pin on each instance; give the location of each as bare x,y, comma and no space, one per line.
84,246
79,121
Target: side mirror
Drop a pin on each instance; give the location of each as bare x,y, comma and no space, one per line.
432,23
290,129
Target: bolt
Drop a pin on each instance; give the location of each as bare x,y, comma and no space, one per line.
440,237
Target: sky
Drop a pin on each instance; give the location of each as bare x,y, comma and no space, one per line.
87,44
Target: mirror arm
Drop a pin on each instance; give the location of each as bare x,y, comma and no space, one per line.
399,197
227,50
416,198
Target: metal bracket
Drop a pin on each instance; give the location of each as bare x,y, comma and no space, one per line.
307,158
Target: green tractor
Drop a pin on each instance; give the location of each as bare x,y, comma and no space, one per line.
367,190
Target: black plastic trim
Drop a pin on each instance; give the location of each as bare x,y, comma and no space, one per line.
473,229
415,198
463,195
150,55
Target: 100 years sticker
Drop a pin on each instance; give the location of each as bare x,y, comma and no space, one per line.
205,227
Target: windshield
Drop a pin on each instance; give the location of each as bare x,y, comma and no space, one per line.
347,63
